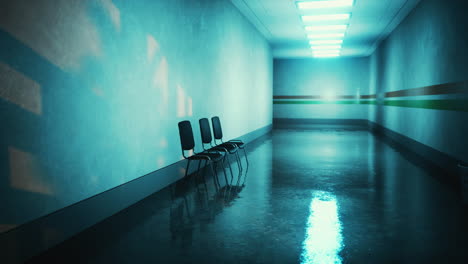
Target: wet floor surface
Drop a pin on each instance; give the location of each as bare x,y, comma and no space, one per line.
313,195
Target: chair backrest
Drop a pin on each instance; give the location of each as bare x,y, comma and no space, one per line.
205,131
186,135
217,131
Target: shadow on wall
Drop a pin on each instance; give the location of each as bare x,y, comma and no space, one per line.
85,103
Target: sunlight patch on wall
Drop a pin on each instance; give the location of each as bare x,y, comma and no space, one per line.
324,239
163,143
27,173
161,83
113,12
180,101
189,106
161,161
152,47
60,31
98,91
20,90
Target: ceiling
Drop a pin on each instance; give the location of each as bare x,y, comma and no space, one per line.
281,24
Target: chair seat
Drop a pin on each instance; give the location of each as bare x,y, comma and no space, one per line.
239,144
232,148
215,156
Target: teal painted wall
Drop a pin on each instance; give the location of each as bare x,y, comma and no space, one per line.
91,92
428,48
321,77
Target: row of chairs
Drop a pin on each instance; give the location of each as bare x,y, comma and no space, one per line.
215,151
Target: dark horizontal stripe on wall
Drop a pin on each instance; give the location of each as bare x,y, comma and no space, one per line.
319,97
316,102
325,102
297,97
454,105
448,88
313,97
374,102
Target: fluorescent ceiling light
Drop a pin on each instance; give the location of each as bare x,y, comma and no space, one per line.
331,54
327,52
326,41
326,27
326,55
325,36
329,47
325,17
325,4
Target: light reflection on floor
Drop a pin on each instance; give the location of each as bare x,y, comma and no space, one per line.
323,241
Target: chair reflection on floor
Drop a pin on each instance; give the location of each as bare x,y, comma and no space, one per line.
193,207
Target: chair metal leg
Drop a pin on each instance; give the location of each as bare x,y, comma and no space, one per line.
204,178
230,167
247,160
197,174
215,176
239,163
245,155
229,162
224,171
187,168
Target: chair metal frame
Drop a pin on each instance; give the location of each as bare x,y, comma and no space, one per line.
218,135
211,158
207,139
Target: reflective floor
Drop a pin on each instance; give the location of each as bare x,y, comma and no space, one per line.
323,194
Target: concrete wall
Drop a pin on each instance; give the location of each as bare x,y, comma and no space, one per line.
320,88
91,92
428,48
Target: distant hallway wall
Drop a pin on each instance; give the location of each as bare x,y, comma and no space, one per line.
321,88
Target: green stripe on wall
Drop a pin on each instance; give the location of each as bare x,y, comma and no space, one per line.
315,102
324,102
454,105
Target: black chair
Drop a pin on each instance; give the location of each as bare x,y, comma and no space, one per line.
218,135
210,157
207,139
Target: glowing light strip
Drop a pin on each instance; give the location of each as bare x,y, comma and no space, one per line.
327,41
314,18
326,36
331,55
326,28
328,47
324,4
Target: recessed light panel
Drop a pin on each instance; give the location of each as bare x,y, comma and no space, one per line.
327,28
328,47
326,36
326,41
326,51
325,4
315,18
326,55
